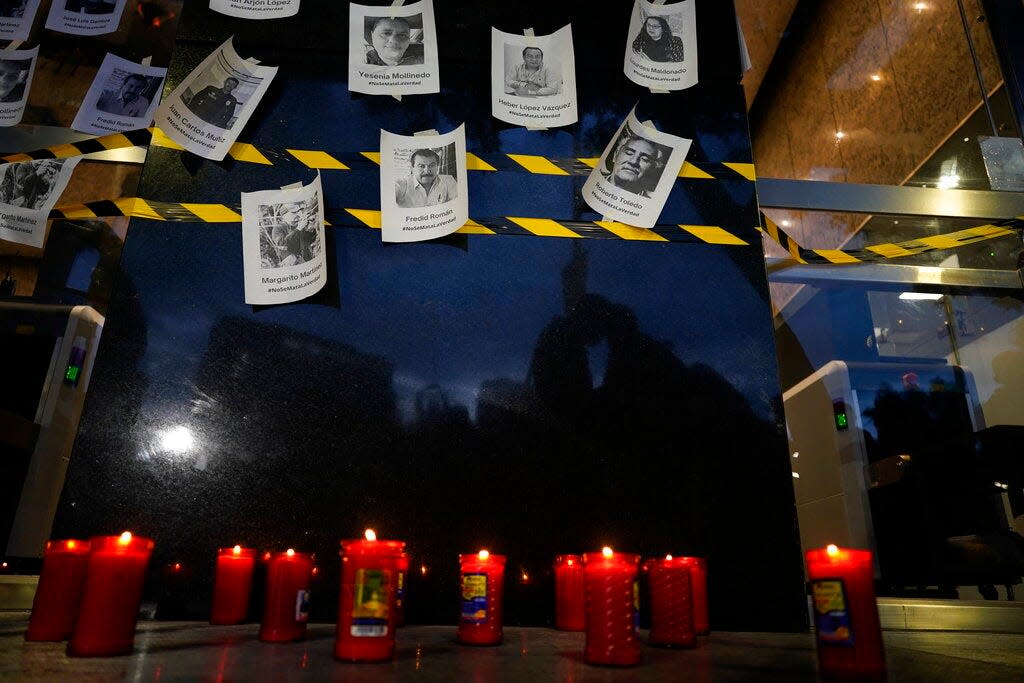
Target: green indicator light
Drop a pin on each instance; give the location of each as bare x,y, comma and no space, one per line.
72,374
841,421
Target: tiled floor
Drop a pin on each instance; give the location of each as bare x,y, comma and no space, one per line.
173,651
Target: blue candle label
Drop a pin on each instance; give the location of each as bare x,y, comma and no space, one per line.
302,606
832,613
474,598
370,603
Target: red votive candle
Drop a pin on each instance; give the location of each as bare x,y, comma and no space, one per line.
232,585
59,591
609,584
482,582
570,613
367,604
671,603
846,620
403,576
699,590
286,597
114,578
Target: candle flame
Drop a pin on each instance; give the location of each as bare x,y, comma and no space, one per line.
125,538
290,552
237,550
316,570
569,562
370,534
177,566
483,554
71,545
423,569
668,557
832,550
606,551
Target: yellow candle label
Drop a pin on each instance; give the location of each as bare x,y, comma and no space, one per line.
474,598
370,603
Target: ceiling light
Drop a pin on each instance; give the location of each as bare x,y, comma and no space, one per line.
920,296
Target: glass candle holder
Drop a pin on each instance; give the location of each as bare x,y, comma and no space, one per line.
570,612
232,585
672,623
611,606
482,584
367,604
59,591
286,597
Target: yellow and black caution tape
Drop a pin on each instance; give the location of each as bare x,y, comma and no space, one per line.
547,227
320,159
324,160
134,207
889,250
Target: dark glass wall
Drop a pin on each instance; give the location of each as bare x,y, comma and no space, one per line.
532,395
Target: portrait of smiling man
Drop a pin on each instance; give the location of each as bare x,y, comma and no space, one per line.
635,166
391,41
425,185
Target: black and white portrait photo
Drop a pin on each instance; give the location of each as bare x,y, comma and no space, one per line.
661,45
289,233
636,163
30,184
16,68
217,102
425,176
14,74
393,49
636,173
528,73
13,9
393,41
129,94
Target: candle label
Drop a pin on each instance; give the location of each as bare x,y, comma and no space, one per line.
636,606
831,614
474,598
370,606
302,606
400,590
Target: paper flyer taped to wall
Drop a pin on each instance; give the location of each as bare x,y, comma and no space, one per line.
635,174
423,187
123,96
208,110
85,17
533,79
661,45
393,49
256,9
16,19
283,244
28,190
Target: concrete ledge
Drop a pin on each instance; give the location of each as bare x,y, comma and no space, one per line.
17,592
951,615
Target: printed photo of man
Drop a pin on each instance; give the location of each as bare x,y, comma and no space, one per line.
531,77
635,166
391,41
425,185
127,100
13,77
215,105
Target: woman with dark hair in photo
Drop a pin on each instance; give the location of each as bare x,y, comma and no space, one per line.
656,41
